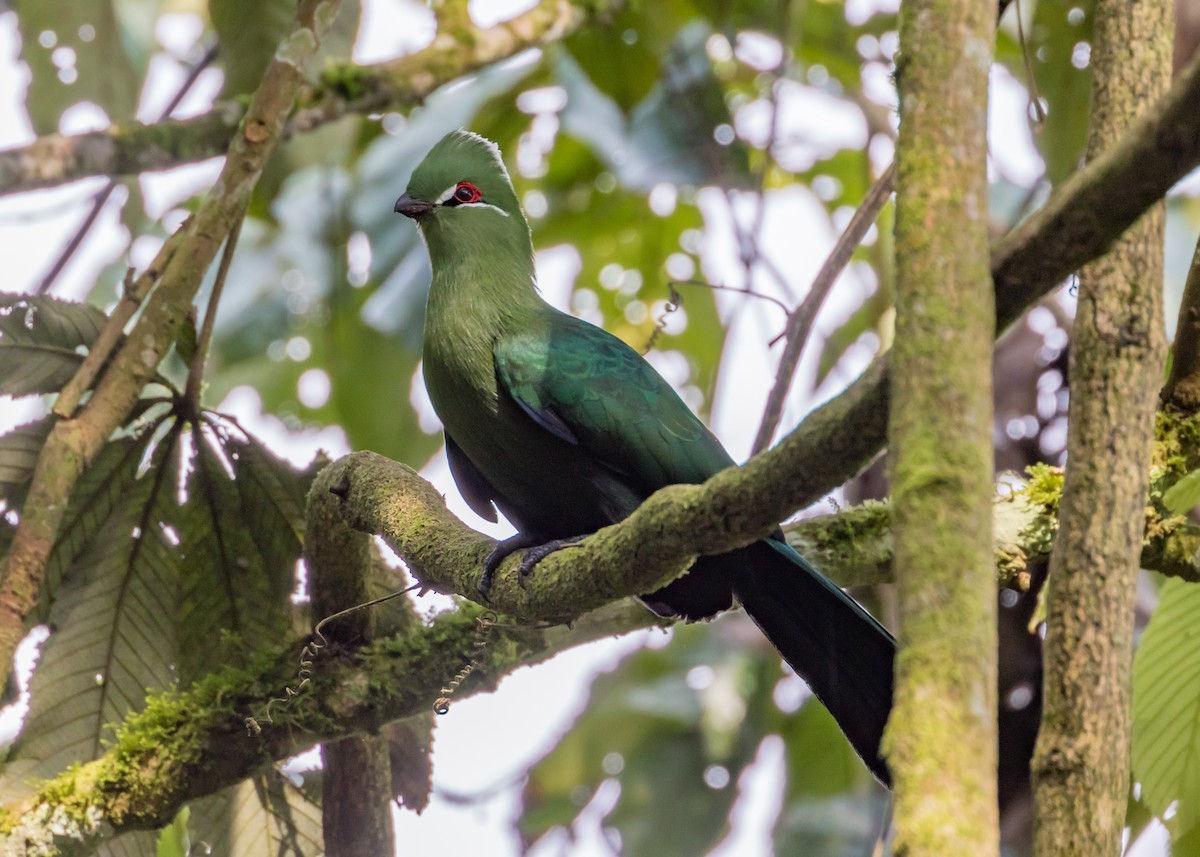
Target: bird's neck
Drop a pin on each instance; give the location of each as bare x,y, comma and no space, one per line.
474,301
480,298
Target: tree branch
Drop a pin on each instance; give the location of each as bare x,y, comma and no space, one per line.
1079,222
192,743
356,792
188,744
460,48
1182,390
1081,763
183,261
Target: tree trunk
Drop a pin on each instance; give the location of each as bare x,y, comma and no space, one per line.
1081,765
941,740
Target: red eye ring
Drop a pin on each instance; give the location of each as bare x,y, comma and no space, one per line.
467,193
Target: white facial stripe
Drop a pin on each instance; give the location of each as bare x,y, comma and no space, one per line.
482,205
447,193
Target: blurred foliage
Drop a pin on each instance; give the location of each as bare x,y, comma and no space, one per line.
668,735
633,143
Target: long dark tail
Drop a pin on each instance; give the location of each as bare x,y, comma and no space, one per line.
827,638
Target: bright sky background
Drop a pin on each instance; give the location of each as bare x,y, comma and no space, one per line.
484,743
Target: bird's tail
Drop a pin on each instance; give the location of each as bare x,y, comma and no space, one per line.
827,638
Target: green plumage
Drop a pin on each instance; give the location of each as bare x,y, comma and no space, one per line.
565,429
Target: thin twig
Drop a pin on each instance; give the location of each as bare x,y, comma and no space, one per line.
1039,115
800,322
196,370
105,192
134,293
741,290
64,257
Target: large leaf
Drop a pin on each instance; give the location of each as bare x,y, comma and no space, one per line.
153,592
668,135
40,341
262,817
250,33
239,556
1166,710
106,484
115,633
137,843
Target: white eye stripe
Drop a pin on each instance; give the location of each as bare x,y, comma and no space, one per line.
482,205
446,194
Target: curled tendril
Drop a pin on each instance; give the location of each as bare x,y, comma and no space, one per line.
674,299
307,655
483,628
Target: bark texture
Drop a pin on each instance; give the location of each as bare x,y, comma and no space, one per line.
941,740
1081,765
356,805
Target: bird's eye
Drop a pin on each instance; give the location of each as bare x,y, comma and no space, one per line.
467,193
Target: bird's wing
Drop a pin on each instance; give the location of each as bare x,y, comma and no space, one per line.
587,387
472,484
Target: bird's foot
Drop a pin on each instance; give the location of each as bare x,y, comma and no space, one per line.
499,553
537,551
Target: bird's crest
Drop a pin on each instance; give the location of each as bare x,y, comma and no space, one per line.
464,158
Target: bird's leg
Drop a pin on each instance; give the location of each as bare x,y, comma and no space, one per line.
538,550
537,553
500,553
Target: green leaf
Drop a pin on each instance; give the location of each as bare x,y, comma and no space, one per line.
108,59
19,450
261,817
1166,709
115,637
173,840
821,762
1183,496
249,34
232,599
186,337
108,482
843,825
1052,39
668,135
832,806
40,339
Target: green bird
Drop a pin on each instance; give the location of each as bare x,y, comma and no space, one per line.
565,429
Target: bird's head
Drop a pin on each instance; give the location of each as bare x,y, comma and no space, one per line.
461,196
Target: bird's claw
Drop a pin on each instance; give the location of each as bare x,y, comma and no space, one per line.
537,551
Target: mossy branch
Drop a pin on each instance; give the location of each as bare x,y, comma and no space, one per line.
188,744
735,507
192,743
344,89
